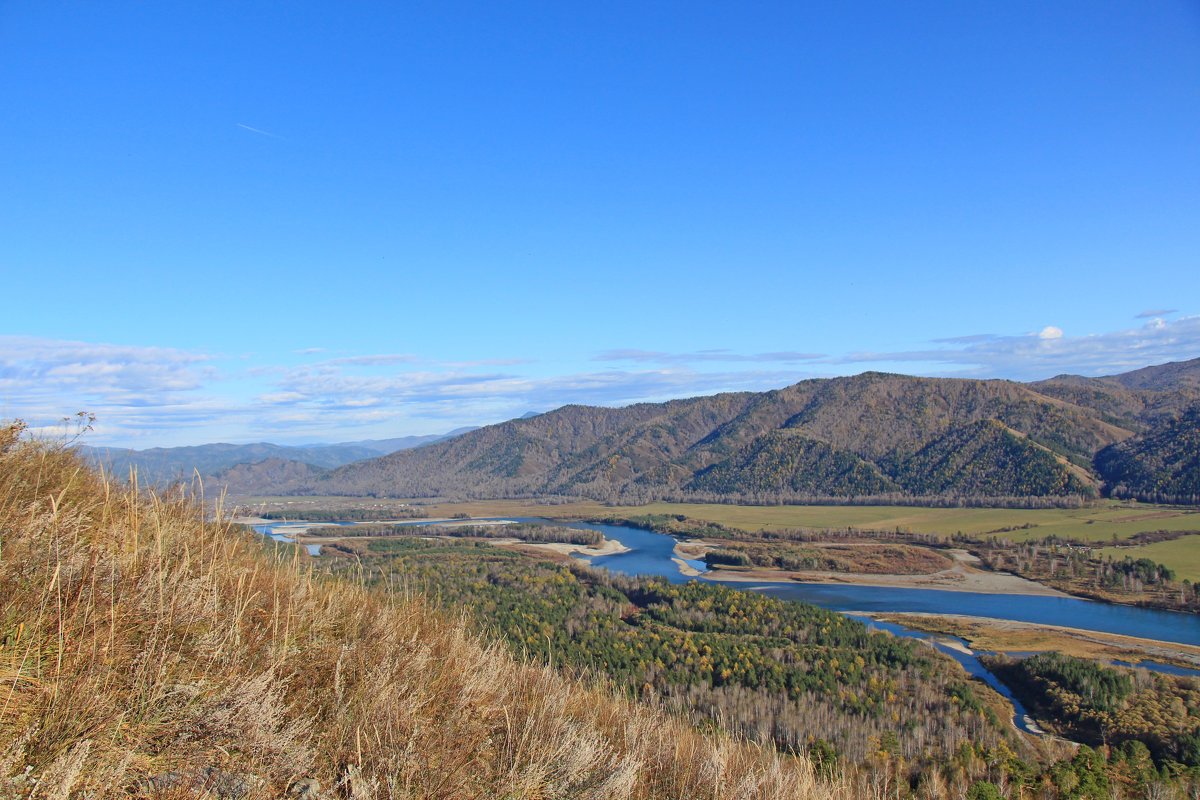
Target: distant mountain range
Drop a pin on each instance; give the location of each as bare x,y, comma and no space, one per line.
873,435
162,465
869,437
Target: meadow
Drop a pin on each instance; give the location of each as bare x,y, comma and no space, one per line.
1181,555
1093,523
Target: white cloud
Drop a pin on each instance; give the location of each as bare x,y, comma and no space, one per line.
147,396
131,389
1050,332
1033,356
50,366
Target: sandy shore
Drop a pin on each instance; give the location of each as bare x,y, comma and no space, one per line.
609,547
959,578
687,569
297,531
964,576
694,549
685,551
253,521
954,644
985,633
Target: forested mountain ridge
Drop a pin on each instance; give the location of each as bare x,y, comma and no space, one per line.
869,435
1171,376
1135,400
987,458
249,478
1162,465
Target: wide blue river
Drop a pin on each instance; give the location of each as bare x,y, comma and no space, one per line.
652,554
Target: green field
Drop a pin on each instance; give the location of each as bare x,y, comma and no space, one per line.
1181,555
1094,523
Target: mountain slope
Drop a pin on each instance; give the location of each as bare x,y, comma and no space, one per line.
1162,465
247,479
872,435
1172,376
1134,400
161,465
784,462
385,446
838,437
987,459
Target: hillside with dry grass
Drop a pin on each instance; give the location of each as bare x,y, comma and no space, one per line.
148,652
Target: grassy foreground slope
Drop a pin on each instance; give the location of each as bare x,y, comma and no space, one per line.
146,652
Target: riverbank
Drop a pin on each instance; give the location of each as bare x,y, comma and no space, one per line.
960,578
963,576
984,634
608,547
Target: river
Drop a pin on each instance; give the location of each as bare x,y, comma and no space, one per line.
651,553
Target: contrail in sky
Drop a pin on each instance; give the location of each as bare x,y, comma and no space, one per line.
256,130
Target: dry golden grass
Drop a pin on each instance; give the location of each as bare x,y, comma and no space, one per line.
146,651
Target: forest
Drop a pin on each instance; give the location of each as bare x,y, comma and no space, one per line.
769,667
1162,467
1098,705
887,712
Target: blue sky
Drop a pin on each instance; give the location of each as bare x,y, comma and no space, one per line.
330,221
